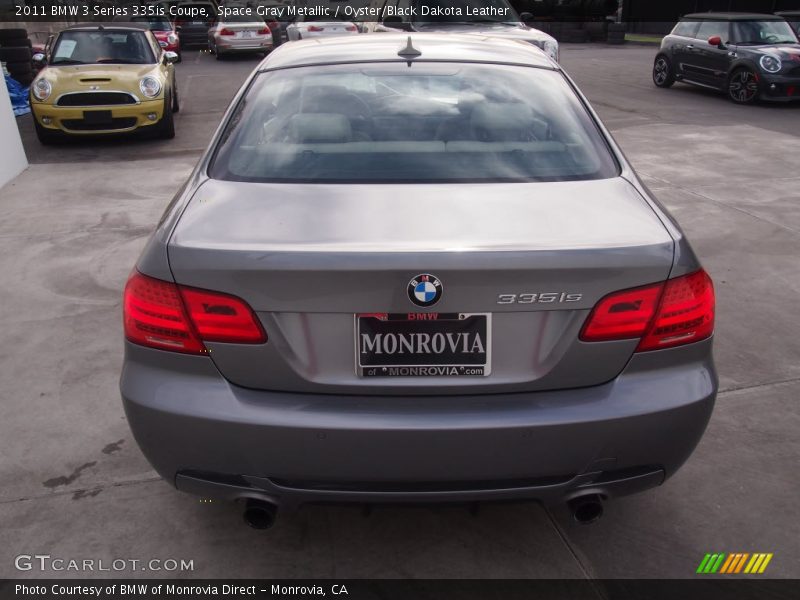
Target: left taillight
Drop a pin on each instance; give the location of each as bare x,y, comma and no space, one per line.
160,314
663,315
226,31
264,31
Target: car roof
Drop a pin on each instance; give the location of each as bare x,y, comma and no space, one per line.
788,13
451,47
730,16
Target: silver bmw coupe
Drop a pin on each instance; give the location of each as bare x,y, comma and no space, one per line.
416,269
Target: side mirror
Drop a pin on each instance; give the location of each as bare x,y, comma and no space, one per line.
170,57
715,40
39,60
526,16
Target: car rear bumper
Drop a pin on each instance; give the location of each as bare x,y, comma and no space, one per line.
214,439
230,46
126,117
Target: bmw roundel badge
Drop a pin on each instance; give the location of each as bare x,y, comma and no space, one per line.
425,290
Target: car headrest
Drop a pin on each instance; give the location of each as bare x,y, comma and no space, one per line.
500,121
316,128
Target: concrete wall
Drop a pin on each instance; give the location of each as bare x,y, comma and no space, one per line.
12,156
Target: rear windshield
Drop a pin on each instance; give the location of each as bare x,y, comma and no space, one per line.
431,122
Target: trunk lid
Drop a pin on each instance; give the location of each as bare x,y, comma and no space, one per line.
307,258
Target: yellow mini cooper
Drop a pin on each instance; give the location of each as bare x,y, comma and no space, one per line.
103,79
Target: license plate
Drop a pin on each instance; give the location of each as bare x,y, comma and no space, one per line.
246,34
97,117
423,345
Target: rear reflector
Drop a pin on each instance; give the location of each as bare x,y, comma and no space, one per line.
163,315
678,311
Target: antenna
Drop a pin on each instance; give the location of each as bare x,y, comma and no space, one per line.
409,51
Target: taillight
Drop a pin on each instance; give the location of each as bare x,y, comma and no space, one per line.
315,28
622,315
222,318
351,28
226,31
264,31
163,315
663,315
154,316
685,315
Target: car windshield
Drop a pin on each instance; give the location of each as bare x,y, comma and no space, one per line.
463,11
154,23
429,122
763,32
106,46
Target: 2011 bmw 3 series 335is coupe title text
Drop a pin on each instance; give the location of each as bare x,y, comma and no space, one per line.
416,269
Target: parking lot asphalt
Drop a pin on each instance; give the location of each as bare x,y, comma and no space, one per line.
75,484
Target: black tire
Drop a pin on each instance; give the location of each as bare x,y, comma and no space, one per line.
15,54
743,86
19,67
176,105
46,136
24,78
615,38
663,74
165,128
8,35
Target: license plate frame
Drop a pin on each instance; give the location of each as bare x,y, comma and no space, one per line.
449,363
97,117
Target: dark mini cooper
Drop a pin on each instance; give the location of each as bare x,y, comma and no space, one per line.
749,56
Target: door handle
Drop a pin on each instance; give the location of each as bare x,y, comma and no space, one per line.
690,47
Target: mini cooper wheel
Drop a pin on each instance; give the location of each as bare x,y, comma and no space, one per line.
165,128
47,137
663,76
176,106
743,86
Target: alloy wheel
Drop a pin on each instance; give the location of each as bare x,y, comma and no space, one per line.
743,87
661,71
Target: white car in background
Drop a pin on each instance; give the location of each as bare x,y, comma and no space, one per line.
496,18
239,34
334,22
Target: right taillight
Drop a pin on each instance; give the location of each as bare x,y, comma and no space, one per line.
685,313
161,314
663,315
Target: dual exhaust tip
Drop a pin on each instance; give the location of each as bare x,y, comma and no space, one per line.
260,514
586,509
